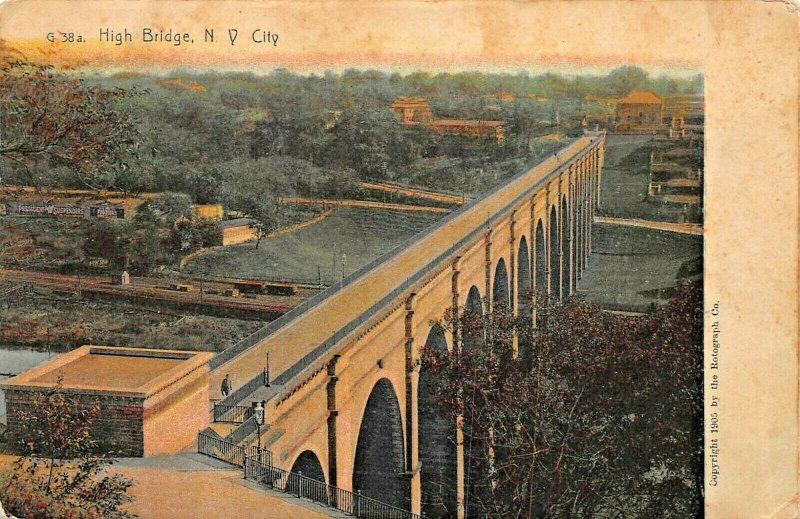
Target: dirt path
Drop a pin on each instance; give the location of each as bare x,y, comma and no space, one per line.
682,228
414,192
364,203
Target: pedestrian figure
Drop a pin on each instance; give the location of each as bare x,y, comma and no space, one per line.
226,386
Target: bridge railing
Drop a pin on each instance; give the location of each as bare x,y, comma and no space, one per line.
315,300
260,380
232,413
230,452
352,503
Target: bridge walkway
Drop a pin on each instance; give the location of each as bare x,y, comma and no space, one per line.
295,344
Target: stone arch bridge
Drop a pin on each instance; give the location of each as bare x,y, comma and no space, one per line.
347,400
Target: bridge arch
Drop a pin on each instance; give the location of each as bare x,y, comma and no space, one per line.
524,282
308,464
500,292
474,306
566,241
437,442
575,217
555,249
540,263
379,467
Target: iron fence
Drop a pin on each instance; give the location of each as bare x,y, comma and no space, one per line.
260,380
232,413
230,452
352,503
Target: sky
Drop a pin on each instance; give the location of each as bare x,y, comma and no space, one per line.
404,36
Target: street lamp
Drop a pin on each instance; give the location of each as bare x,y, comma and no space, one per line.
259,413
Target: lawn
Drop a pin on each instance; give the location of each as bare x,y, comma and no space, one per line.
623,193
630,268
353,236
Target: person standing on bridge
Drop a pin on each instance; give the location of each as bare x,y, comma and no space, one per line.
225,388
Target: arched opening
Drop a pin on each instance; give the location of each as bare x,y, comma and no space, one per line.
306,465
500,297
379,471
523,289
437,443
566,240
541,260
555,249
575,239
473,310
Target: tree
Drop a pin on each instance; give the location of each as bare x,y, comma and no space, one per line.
601,414
59,120
625,79
60,473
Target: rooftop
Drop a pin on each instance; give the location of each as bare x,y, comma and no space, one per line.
402,102
236,222
142,372
639,97
464,122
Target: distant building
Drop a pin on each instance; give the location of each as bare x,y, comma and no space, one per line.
640,110
410,110
208,211
237,231
470,128
416,110
690,108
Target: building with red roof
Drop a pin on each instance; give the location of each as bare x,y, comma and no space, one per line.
640,110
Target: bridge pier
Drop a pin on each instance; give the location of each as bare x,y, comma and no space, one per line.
513,275
333,414
412,411
457,345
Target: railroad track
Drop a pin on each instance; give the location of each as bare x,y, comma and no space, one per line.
150,289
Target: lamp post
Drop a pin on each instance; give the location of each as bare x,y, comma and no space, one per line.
259,414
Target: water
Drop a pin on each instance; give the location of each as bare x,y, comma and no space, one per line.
16,359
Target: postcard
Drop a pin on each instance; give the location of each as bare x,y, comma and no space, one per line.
351,258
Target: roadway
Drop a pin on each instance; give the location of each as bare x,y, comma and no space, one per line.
290,343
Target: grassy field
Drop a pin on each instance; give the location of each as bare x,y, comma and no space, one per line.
631,268
40,243
359,234
42,318
623,192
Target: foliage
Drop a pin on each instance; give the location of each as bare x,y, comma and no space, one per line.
59,473
58,120
600,416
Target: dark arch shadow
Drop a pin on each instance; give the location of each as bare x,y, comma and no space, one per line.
307,465
379,470
555,248
576,240
474,309
541,260
566,274
437,443
500,295
524,286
